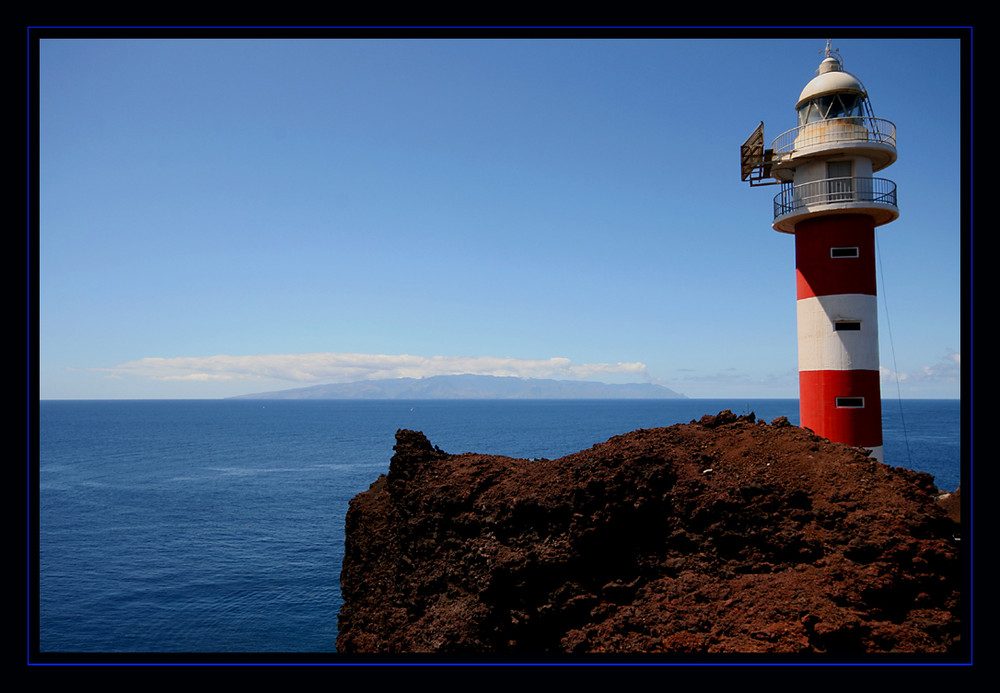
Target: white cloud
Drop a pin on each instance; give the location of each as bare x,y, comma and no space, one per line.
347,367
947,370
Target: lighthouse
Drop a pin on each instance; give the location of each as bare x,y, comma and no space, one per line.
831,202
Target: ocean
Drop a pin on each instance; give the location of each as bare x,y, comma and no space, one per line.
216,526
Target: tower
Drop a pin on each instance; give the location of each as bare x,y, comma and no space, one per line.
830,202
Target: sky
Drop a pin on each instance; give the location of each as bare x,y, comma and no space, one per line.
224,216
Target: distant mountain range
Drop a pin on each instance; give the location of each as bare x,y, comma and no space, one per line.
472,387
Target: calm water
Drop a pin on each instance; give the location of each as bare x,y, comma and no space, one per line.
217,526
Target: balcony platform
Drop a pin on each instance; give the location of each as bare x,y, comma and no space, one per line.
875,197
871,138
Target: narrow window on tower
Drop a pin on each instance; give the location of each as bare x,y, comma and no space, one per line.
840,181
850,402
844,252
847,325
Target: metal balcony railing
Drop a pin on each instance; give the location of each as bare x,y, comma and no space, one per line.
834,191
836,131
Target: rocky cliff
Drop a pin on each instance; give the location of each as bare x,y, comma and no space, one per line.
725,535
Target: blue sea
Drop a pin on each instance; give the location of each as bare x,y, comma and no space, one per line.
216,526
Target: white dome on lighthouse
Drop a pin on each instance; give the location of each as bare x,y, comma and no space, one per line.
833,93
831,78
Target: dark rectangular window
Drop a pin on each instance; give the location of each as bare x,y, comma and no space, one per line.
843,252
850,402
847,325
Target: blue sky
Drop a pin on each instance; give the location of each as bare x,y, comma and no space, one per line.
221,217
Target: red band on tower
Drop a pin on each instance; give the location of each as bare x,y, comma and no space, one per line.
824,261
858,419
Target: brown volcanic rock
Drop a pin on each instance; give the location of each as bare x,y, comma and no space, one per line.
720,536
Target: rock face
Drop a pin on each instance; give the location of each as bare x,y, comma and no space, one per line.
726,535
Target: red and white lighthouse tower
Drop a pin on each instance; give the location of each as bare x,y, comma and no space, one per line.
831,203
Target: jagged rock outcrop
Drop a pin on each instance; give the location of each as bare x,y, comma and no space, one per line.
725,535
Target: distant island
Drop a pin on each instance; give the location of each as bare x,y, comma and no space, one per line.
472,387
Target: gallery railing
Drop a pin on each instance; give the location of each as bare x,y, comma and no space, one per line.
834,191
834,131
